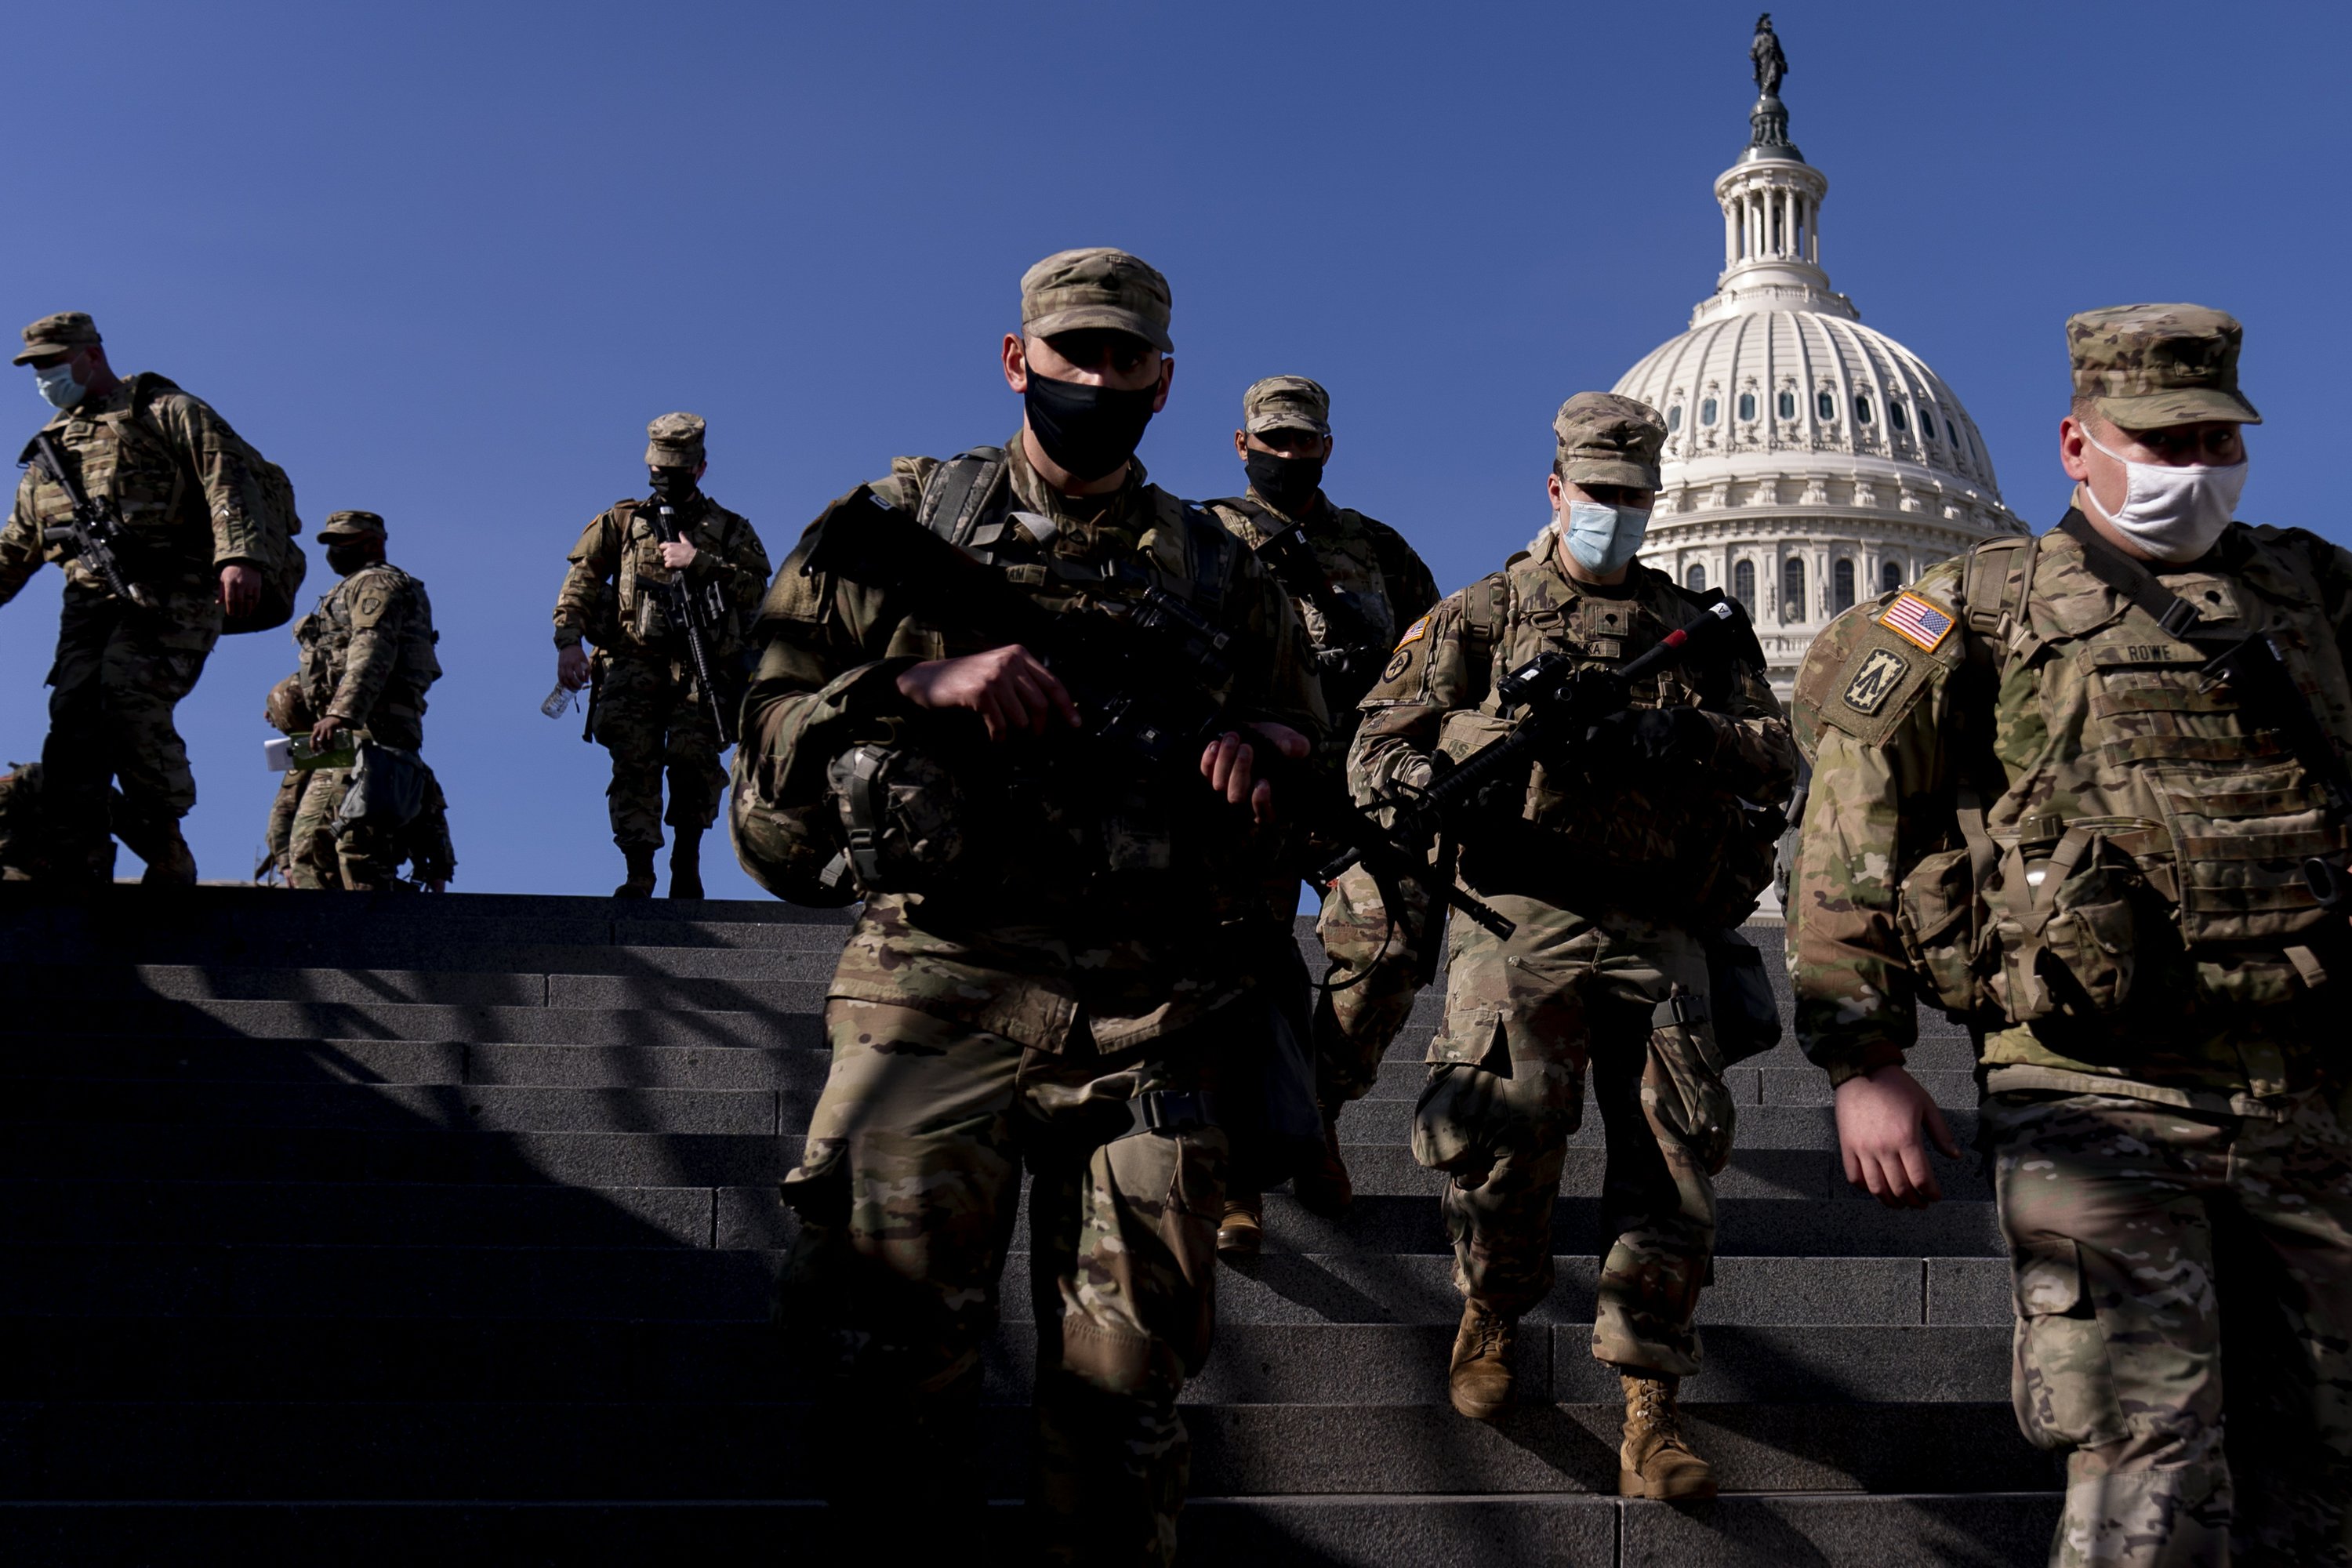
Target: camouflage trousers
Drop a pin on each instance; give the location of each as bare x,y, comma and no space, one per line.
1523,1016
2176,1275
113,688
906,1191
321,853
1378,967
650,715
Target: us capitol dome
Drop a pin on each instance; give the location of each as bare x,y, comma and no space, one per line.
1810,461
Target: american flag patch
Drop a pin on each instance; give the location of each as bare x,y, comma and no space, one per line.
1914,620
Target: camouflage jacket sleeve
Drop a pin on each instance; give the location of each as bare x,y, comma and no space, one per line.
1411,589
382,603
1873,715
593,561
1431,675
1755,749
213,451
831,653
20,542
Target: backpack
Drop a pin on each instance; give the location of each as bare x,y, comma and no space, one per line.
269,501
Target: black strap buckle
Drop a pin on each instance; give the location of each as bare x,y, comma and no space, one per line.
1162,1110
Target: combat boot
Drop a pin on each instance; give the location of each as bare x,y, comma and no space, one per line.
1321,1187
170,861
640,884
686,866
1242,1229
1654,1461
1479,1381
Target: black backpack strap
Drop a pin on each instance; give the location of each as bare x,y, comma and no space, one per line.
2134,580
1214,547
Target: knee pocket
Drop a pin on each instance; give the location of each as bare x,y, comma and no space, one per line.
1468,1114
1686,1098
2061,1380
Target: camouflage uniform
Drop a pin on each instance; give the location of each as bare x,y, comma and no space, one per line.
1060,1011
368,659
1378,962
1610,879
176,473
2030,807
650,712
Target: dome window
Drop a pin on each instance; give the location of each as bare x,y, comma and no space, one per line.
1675,417
1694,577
1825,405
1747,405
1842,589
1952,436
1862,410
1792,589
1743,585
1787,404
1896,418
1890,576
1706,412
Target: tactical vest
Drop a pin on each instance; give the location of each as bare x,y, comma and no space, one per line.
325,637
2163,842
1343,597
644,619
1690,848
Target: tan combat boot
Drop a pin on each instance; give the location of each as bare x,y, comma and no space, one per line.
686,866
1654,1461
1242,1229
1322,1188
640,884
1479,1379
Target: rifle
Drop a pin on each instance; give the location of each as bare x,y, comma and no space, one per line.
1557,703
1353,654
698,613
1141,675
2255,668
96,531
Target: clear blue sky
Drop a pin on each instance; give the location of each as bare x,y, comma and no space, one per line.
444,261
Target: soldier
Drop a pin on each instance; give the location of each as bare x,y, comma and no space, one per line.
367,663
1059,999
2065,788
647,706
1355,587
174,471
1617,866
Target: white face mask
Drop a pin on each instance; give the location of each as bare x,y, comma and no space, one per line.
2174,514
58,387
1602,538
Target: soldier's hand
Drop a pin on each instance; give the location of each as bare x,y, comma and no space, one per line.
678,554
1228,765
1879,1117
240,589
571,668
1007,686
322,733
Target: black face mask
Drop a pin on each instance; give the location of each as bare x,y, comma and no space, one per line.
1088,430
343,560
673,485
1286,484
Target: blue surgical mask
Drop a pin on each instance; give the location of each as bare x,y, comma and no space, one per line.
1602,538
58,387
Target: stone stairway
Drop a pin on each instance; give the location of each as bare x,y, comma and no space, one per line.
359,1229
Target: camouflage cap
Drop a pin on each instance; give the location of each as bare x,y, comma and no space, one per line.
59,334
1286,402
1605,439
675,441
351,525
1096,288
2147,366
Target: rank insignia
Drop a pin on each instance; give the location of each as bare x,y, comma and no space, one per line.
1875,679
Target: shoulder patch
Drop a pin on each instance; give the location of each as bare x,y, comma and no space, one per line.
1413,633
1876,679
1867,692
1918,621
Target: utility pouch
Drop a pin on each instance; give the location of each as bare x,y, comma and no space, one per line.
1746,1014
1941,917
2080,932
387,788
903,819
